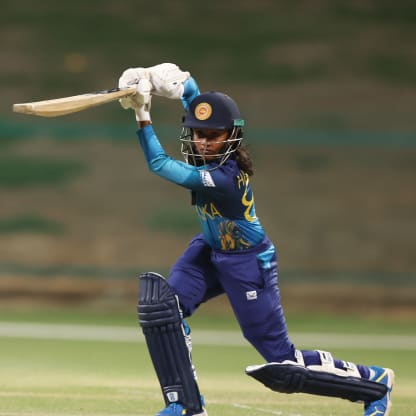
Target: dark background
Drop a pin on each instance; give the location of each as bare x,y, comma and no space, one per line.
328,90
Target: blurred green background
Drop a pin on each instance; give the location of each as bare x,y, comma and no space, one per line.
328,90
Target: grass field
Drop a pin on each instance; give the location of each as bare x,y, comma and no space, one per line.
52,376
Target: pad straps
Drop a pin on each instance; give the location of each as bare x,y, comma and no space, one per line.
328,365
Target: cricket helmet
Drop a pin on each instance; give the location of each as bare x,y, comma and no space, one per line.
211,110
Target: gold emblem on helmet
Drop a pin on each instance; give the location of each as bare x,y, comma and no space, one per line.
203,111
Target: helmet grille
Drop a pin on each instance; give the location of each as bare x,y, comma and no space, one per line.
192,157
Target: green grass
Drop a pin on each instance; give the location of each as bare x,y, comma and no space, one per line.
68,377
216,314
50,377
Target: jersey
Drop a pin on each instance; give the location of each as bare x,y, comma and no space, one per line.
224,198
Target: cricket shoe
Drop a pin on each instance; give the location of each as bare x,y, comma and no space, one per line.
176,409
382,406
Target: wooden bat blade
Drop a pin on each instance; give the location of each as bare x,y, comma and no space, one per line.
67,105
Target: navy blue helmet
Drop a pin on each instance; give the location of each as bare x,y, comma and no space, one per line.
212,110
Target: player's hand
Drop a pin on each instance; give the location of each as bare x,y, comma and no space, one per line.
167,80
142,100
129,77
132,76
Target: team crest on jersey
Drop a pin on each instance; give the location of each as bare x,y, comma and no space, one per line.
203,111
231,236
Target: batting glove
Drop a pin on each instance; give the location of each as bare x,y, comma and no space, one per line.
129,77
142,100
167,80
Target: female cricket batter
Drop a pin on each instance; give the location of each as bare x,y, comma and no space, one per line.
232,255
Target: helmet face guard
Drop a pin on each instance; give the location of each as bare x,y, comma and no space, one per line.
192,157
212,110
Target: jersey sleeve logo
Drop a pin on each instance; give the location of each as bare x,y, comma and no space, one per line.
206,179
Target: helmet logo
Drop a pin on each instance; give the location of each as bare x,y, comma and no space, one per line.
203,111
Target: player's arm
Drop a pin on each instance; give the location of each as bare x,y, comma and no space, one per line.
190,91
169,81
168,168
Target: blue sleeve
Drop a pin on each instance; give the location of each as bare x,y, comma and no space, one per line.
191,91
166,167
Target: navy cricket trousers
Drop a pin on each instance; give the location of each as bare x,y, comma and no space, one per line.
249,279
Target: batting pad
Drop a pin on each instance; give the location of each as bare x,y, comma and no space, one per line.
292,378
161,322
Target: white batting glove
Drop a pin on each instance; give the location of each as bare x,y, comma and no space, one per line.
129,77
142,100
167,80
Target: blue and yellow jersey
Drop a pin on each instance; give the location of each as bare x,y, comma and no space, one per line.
224,198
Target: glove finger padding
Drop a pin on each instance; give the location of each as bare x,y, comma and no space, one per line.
126,102
143,95
167,80
132,76
141,98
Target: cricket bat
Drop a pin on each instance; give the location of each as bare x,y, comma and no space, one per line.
67,105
